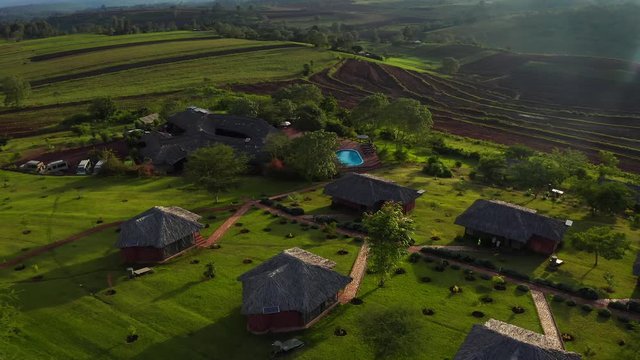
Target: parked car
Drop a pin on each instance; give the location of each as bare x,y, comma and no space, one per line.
98,167
84,167
33,166
282,347
57,166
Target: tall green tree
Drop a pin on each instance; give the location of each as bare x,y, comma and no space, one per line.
243,106
313,155
102,108
367,115
492,168
216,168
602,241
575,162
450,66
277,145
309,117
609,197
608,164
518,152
15,90
409,118
299,94
389,237
538,172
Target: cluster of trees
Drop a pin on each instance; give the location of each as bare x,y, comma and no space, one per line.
22,30
15,90
522,167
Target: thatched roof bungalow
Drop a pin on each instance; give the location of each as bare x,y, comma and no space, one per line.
513,226
290,291
365,192
497,340
194,128
158,234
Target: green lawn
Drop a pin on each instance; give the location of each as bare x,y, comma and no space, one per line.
53,207
599,335
175,313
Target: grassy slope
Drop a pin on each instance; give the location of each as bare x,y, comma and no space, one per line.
49,206
241,68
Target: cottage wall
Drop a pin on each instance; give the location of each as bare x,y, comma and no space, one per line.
262,323
542,245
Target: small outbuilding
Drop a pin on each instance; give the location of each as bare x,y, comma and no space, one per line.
290,291
365,192
497,340
513,226
158,234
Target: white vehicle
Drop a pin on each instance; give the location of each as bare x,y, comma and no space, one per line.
57,166
84,167
98,167
33,166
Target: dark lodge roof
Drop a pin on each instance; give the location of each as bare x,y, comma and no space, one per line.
158,227
201,129
510,221
497,340
636,266
369,190
294,280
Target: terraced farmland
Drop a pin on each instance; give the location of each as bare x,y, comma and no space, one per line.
471,108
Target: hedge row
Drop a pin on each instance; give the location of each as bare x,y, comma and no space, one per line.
585,292
294,211
353,226
631,306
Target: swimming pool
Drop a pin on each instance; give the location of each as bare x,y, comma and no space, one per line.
349,157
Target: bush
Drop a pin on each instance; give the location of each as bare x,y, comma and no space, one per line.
558,298
634,306
570,303
455,267
586,308
604,313
588,293
516,275
414,258
400,271
618,305
435,167
523,288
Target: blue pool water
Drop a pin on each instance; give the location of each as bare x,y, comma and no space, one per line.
349,157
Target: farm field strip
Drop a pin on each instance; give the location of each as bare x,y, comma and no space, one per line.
148,63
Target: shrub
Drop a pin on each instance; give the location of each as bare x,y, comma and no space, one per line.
523,288
485,277
604,313
516,275
477,314
486,299
634,306
588,293
425,279
435,167
618,305
244,231
356,301
439,268
455,289
570,303
558,298
455,267
586,308
428,312
414,258
517,310
400,271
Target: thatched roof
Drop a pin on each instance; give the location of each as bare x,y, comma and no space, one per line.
158,227
510,221
294,280
636,266
497,340
199,128
369,191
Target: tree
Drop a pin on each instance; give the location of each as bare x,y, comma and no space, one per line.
492,168
277,145
538,172
368,114
409,118
309,117
602,241
313,155
299,94
215,168
243,106
102,108
389,232
574,162
113,165
610,197
608,164
15,90
518,152
450,65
